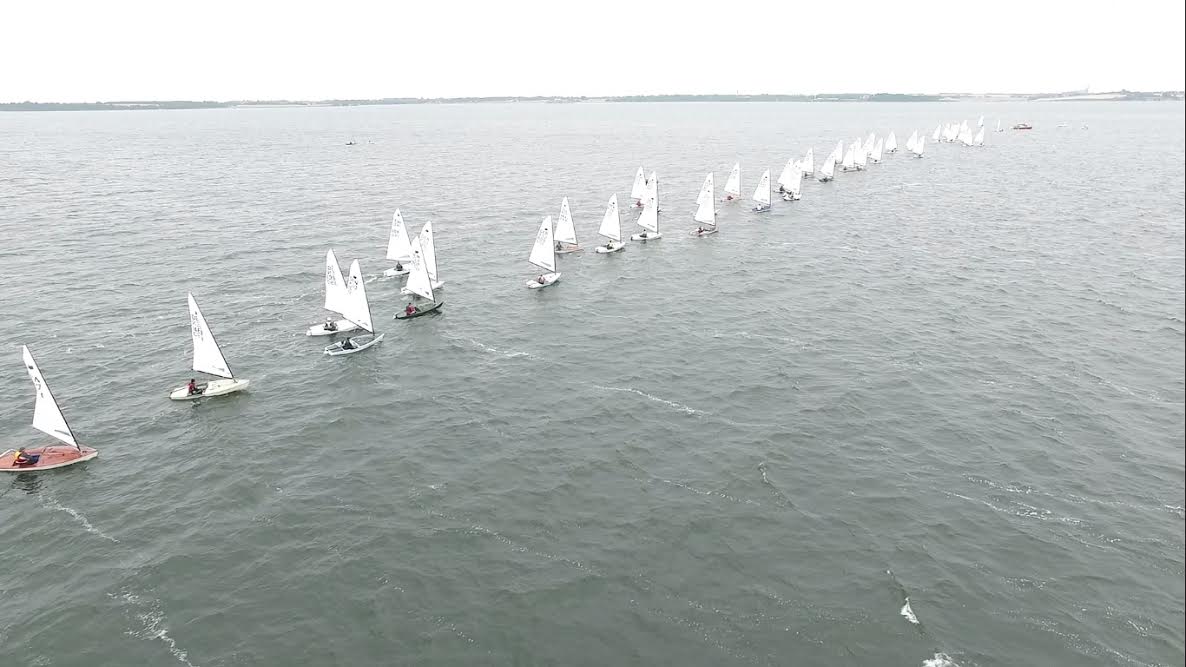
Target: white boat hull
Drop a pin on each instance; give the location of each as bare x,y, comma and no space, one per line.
704,232
569,249
320,330
336,350
787,196
612,246
436,285
549,279
393,272
646,236
212,388
763,208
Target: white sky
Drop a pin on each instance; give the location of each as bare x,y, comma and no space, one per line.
55,50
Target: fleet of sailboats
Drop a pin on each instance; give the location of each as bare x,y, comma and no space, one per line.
208,359
47,418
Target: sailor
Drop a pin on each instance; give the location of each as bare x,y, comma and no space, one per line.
398,266
330,324
540,279
348,344
192,387
559,247
410,310
23,459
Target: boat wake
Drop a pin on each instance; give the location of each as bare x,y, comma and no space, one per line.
152,623
908,613
51,503
490,349
671,404
940,660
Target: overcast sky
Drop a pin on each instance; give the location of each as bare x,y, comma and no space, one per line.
51,50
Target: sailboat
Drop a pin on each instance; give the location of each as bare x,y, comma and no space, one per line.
208,359
838,152
793,189
850,159
47,418
999,128
912,142
920,146
935,135
733,185
978,140
420,285
358,311
869,141
706,213
878,147
566,233
611,228
649,219
762,193
543,255
828,171
639,191
784,179
861,153
335,294
891,143
980,123
965,136
398,247
428,247
807,165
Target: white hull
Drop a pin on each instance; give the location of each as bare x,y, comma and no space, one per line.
320,330
612,246
650,236
569,249
212,388
761,208
705,232
825,179
436,285
549,279
336,350
392,272
790,197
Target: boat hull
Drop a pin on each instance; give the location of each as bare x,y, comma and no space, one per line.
336,350
212,388
611,247
320,330
420,310
549,280
393,272
51,456
704,232
646,236
790,197
569,249
762,208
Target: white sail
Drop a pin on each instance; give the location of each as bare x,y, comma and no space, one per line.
207,356
980,123
543,253
891,143
649,219
878,148
795,186
398,246
918,149
358,308
912,142
829,168
611,223
639,190
565,231
706,204
47,417
868,145
979,139
861,153
762,192
733,185
935,136
807,164
335,285
788,171
850,159
998,125
418,281
430,251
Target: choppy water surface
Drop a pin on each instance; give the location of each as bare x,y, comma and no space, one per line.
957,380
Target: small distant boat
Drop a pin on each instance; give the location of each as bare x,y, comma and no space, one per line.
358,311
733,185
351,143
828,171
762,193
47,418
706,213
421,286
878,147
543,255
611,228
807,164
912,142
891,143
978,140
793,189
980,122
920,146
639,190
999,128
934,135
566,232
850,158
208,359
1063,125
1023,126
398,247
335,298
788,171
428,247
649,218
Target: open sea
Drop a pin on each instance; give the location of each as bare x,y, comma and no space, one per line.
957,380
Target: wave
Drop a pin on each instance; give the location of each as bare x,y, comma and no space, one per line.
671,404
51,503
152,624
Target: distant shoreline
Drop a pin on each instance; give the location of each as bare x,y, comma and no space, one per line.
1077,96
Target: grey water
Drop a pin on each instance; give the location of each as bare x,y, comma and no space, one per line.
957,379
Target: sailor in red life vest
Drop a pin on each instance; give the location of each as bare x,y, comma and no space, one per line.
410,310
192,387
